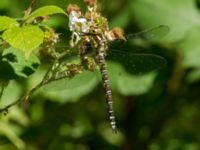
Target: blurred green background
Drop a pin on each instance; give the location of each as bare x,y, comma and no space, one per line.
155,111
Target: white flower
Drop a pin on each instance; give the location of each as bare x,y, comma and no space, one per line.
81,25
78,25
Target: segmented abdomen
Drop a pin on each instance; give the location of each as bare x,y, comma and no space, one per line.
107,90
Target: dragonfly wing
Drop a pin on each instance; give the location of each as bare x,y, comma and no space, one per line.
137,63
154,33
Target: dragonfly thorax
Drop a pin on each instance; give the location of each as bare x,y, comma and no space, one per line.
90,48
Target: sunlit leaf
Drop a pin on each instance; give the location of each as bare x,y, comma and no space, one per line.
25,38
6,23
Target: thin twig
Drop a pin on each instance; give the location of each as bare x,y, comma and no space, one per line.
25,97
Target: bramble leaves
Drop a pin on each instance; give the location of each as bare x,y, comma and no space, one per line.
24,38
27,37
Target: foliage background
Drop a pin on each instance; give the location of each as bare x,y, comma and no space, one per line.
154,112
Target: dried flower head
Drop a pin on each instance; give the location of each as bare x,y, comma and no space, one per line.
73,7
92,3
51,36
41,18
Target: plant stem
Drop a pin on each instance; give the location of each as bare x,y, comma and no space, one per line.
44,81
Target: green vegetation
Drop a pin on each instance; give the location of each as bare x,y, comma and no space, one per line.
42,107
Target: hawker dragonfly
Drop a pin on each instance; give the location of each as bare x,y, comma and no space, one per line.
96,42
134,63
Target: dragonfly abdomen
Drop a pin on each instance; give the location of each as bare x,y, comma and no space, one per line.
107,90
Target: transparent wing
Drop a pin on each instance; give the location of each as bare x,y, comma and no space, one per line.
136,63
151,34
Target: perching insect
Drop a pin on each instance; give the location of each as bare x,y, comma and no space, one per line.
94,41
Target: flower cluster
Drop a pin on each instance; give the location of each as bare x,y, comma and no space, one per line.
91,23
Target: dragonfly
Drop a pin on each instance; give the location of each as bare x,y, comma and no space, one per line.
95,42
134,63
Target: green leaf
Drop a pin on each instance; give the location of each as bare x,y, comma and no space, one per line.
14,64
6,23
179,15
25,38
46,10
128,84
